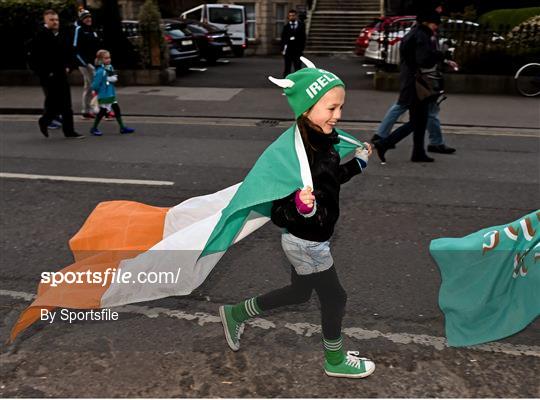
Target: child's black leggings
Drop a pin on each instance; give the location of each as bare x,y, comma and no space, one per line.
103,111
331,294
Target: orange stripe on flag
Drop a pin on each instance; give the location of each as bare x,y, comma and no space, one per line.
114,231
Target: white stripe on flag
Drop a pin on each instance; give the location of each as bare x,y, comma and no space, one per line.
351,141
305,171
188,227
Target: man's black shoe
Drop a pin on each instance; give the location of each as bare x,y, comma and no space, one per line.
441,148
74,135
377,139
381,151
43,127
421,158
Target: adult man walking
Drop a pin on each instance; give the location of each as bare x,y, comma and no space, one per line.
293,41
86,43
418,52
436,141
50,58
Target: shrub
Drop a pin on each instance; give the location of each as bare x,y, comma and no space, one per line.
508,17
153,49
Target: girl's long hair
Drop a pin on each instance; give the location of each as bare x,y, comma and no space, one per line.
304,126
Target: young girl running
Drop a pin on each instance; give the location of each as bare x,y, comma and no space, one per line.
103,85
308,217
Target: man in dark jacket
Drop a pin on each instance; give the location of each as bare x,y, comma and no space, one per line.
50,58
86,43
293,40
418,51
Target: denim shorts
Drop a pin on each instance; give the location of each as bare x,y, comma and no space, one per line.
307,257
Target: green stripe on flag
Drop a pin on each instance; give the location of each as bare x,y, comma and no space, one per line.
275,175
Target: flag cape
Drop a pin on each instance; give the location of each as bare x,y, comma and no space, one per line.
490,281
177,246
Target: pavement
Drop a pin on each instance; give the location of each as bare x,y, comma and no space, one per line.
174,347
239,88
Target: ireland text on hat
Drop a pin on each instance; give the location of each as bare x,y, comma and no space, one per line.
319,83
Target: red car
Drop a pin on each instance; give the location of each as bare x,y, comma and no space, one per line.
378,25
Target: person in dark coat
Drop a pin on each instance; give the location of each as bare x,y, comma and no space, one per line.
51,59
86,44
293,41
418,51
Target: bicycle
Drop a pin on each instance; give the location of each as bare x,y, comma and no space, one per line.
527,80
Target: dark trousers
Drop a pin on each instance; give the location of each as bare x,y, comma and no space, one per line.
57,101
331,295
418,117
290,60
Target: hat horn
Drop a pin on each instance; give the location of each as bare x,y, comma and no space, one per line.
282,83
307,63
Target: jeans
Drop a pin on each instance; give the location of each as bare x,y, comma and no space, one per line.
88,73
307,257
433,123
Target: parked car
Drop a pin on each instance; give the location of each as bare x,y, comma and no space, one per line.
396,27
213,42
452,33
229,17
183,51
362,40
378,25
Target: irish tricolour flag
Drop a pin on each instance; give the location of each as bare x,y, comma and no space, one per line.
185,241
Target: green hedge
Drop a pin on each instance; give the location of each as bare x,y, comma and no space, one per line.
19,21
507,17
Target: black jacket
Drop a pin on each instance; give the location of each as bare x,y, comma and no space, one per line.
49,53
294,46
328,175
86,43
418,49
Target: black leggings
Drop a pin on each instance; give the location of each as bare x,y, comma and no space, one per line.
103,111
331,294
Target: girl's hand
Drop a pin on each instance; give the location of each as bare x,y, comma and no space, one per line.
306,196
368,148
362,155
304,200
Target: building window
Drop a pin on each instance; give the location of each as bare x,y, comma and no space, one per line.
250,19
281,18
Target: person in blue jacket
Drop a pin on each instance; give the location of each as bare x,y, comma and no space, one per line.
103,85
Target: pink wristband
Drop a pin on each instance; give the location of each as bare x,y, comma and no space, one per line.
300,205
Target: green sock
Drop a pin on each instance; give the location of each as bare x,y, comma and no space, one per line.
96,123
119,120
333,350
245,310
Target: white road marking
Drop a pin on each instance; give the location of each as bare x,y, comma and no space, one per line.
198,69
85,179
308,330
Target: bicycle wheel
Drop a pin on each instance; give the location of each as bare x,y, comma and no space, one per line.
528,80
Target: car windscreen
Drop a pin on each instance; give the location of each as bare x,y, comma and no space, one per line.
227,16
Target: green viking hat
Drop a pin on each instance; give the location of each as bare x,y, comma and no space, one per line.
306,86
